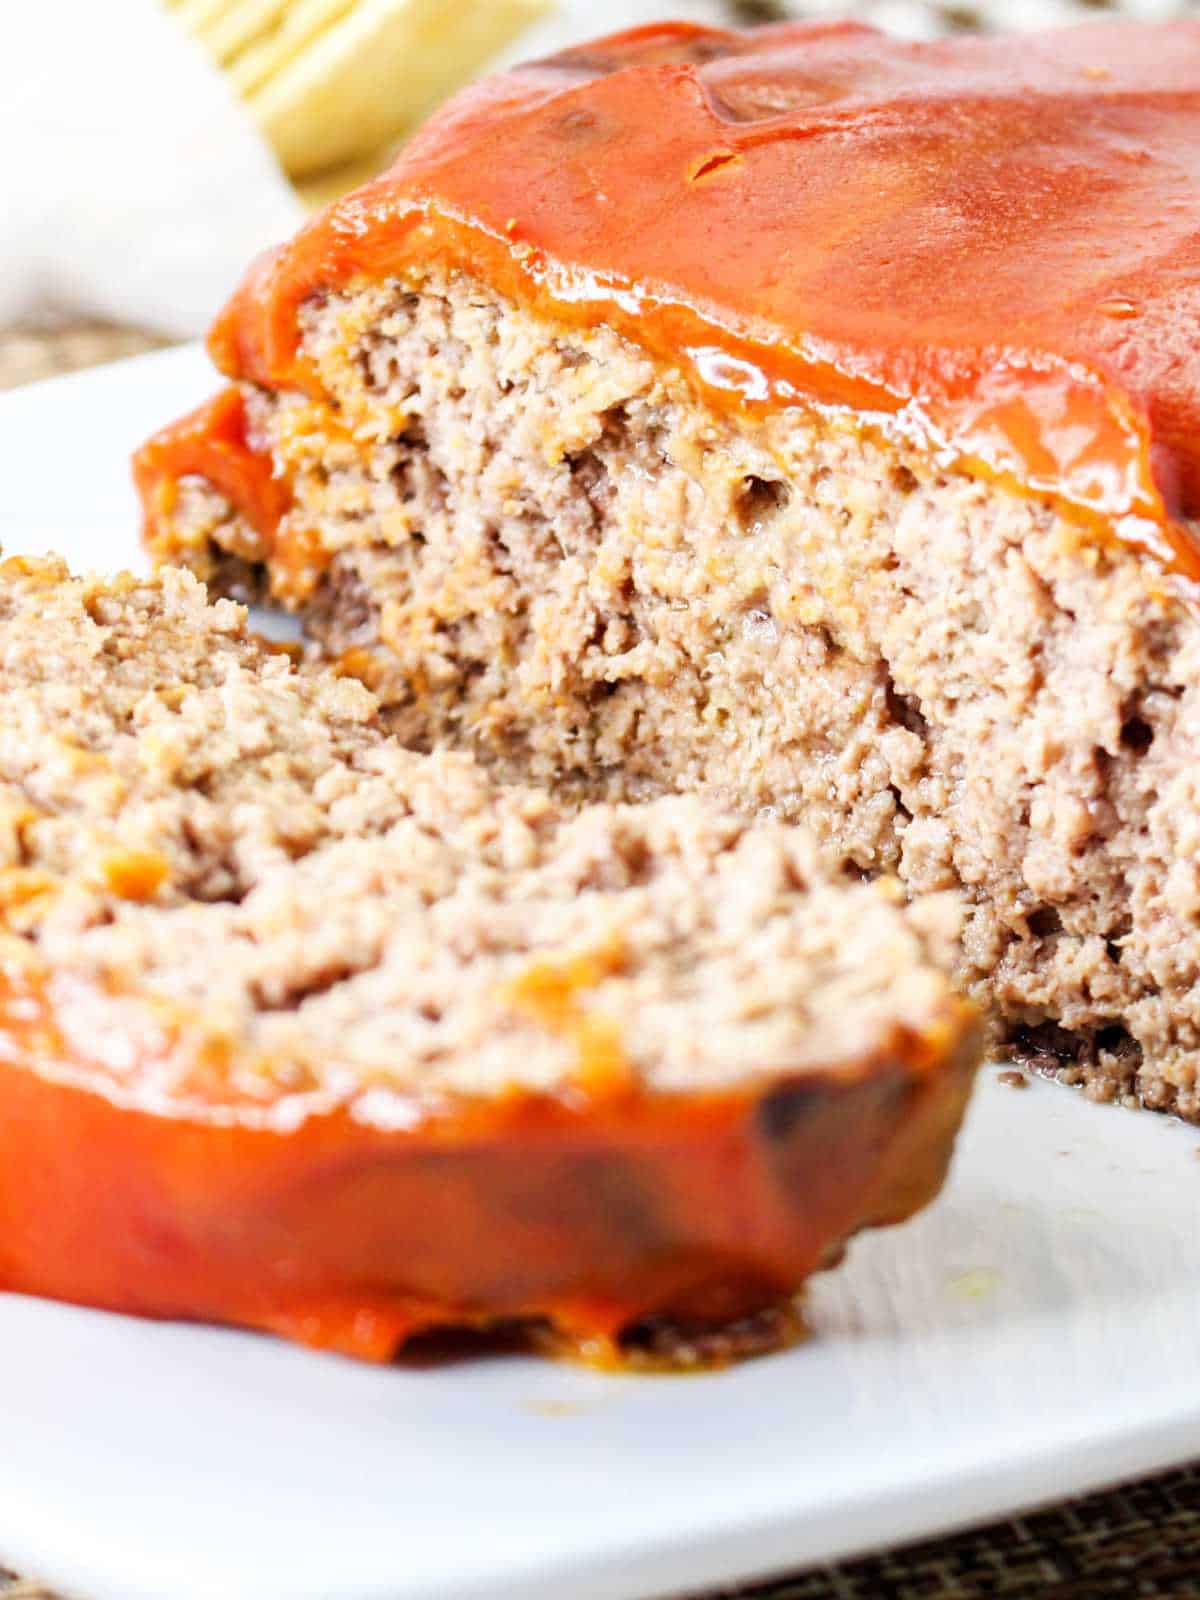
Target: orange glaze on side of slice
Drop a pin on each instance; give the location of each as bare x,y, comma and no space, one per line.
148,1183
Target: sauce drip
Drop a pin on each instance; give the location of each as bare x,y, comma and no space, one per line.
212,443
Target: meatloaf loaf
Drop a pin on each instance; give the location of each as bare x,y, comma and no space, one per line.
801,417
302,1030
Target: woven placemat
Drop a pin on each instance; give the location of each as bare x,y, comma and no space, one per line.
30,353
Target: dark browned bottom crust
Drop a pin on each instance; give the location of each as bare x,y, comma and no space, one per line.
658,1345
663,1344
1107,1068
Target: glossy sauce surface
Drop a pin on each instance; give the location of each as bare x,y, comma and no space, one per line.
986,245
355,1225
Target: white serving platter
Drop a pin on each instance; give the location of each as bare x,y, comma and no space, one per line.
1033,1335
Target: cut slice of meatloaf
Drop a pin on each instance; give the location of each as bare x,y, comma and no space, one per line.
800,417
303,1030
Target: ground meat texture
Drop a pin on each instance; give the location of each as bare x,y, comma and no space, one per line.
186,813
304,1029
536,544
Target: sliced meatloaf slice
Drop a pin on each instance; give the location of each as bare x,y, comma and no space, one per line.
799,417
303,1030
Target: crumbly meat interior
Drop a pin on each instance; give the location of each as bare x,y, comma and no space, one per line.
224,866
539,546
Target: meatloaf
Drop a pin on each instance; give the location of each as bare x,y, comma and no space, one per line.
800,417
303,1030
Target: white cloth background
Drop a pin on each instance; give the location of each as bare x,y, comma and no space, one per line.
132,185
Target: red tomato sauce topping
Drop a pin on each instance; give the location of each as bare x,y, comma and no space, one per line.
986,245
